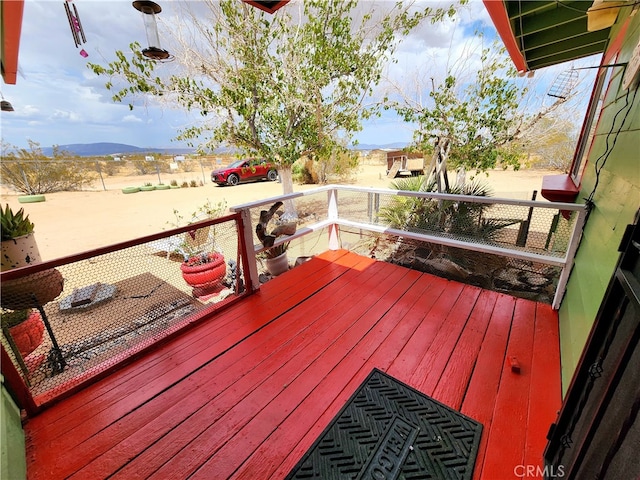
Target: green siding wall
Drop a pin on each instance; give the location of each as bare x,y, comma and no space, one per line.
13,464
616,199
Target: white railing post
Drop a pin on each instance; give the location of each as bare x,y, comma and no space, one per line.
576,235
247,233
332,217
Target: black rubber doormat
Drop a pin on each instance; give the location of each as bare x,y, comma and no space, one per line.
388,430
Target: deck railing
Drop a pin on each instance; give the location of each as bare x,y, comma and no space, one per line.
517,246
100,308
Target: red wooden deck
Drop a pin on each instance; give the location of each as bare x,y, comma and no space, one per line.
244,394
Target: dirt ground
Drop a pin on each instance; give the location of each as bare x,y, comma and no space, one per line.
72,222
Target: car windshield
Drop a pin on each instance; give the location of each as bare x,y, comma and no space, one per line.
236,164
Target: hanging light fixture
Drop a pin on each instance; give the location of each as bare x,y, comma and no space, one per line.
149,10
5,106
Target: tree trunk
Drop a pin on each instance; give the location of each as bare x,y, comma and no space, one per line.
286,177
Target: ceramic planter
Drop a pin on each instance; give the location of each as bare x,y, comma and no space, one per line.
19,252
28,335
31,290
278,265
205,275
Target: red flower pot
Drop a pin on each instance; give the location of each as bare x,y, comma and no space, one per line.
28,335
204,275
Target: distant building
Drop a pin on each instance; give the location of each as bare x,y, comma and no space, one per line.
400,162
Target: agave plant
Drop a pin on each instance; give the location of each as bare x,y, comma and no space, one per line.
14,224
450,217
276,251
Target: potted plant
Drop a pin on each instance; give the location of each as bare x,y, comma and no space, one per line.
19,247
277,261
25,327
204,272
276,256
203,267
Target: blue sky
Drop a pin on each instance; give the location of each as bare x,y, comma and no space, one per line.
59,101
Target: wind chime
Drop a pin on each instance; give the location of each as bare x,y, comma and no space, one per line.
76,27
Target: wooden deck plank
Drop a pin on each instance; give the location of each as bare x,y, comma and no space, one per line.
249,404
409,358
479,400
156,419
454,381
507,435
314,361
427,374
545,397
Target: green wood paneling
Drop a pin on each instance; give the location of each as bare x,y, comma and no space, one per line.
616,199
13,465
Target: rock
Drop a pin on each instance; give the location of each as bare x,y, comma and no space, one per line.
447,268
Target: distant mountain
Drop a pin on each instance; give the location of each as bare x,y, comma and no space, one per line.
386,146
105,148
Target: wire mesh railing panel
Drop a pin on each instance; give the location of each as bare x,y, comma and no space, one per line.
95,312
304,211
520,278
533,229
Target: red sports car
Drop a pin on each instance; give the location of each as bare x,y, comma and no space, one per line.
248,170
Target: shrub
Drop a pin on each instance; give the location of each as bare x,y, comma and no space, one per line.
30,172
442,216
301,174
174,183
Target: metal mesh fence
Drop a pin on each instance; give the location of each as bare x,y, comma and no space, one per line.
93,312
516,277
533,229
310,209
518,226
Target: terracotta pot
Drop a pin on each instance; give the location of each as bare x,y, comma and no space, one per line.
19,252
207,274
28,335
31,290
278,265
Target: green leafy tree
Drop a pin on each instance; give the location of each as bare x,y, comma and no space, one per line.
283,87
485,113
551,143
480,118
30,172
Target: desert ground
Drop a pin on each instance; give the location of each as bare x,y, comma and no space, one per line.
72,222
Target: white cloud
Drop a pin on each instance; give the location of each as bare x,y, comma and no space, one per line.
58,100
131,119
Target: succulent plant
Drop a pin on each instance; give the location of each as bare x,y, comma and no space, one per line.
14,224
11,318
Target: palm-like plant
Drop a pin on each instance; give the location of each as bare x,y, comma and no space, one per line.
449,217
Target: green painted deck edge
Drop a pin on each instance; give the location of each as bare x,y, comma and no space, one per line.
13,464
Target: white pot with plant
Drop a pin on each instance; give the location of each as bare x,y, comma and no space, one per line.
276,258
277,261
19,247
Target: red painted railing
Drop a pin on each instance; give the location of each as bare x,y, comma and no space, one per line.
103,308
